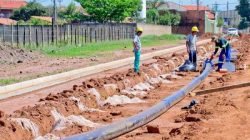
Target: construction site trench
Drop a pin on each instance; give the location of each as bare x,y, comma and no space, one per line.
101,101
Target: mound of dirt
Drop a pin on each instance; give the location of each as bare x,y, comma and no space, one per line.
13,55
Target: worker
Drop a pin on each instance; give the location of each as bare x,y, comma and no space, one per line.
137,49
224,45
191,45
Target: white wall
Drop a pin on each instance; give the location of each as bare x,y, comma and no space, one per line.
144,10
151,29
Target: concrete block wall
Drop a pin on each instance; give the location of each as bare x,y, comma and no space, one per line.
150,29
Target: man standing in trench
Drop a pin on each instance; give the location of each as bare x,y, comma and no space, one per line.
137,49
191,45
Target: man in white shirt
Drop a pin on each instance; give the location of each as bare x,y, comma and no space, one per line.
191,45
137,49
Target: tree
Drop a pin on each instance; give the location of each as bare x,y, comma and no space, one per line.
31,9
175,19
169,19
220,22
110,10
244,12
71,14
152,16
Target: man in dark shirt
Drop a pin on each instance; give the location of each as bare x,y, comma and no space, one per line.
223,44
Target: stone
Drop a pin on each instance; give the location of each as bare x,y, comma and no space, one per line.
153,129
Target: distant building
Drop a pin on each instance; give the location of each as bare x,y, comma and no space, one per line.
171,6
231,18
205,19
8,6
194,8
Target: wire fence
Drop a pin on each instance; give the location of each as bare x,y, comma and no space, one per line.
74,34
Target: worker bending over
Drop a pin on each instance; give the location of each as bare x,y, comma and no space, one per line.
224,45
191,45
137,49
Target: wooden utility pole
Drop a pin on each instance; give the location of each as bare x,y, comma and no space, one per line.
198,10
228,10
54,21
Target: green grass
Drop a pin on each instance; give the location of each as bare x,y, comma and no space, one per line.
93,49
8,81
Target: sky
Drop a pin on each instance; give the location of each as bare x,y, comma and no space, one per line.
222,3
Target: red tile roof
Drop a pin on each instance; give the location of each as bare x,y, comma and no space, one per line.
194,7
12,4
7,21
210,15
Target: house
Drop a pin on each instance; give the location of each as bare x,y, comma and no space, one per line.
8,6
7,21
205,19
194,8
231,18
171,6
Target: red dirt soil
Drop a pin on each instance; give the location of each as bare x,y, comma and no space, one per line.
198,123
21,64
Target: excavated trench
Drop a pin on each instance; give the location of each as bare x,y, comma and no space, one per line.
86,106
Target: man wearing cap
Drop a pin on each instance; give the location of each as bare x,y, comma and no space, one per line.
191,45
223,44
137,49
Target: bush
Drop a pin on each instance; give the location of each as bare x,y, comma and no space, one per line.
220,22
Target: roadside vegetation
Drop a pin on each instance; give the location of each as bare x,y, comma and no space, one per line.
156,15
100,48
8,81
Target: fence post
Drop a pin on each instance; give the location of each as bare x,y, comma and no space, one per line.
127,33
109,33
68,28
24,34
56,33
3,33
90,35
75,37
98,33
64,33
17,35
60,35
48,35
78,35
95,36
71,28
101,34
12,37
118,34
112,30
82,35
30,35
104,33
42,28
85,36
37,38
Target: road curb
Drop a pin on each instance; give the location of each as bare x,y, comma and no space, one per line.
48,81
